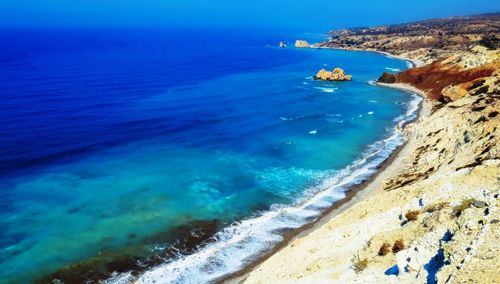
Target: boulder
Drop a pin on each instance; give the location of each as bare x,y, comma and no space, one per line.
336,75
387,78
479,204
301,43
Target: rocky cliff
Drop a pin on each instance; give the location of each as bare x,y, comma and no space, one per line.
454,77
432,215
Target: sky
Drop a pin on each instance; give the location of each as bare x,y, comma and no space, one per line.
317,15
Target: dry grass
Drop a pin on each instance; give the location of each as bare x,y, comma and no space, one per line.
359,264
398,246
466,203
412,215
384,249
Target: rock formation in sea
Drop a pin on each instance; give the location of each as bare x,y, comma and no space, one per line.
301,43
337,74
282,44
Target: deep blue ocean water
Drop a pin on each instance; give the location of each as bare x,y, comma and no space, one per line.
114,141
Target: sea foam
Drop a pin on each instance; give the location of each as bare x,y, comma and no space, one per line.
326,90
393,69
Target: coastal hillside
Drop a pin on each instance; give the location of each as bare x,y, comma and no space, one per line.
431,216
425,41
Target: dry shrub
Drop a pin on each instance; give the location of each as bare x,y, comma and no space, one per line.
436,207
398,246
412,215
466,203
384,249
359,264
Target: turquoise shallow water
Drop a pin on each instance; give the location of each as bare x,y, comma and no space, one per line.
232,144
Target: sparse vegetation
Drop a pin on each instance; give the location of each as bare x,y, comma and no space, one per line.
384,249
412,215
466,203
436,207
359,264
398,246
489,41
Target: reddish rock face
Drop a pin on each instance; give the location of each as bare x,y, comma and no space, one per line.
435,77
387,78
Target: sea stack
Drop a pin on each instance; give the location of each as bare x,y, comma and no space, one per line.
282,44
301,43
337,74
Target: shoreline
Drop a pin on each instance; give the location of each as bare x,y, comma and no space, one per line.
414,62
430,212
388,168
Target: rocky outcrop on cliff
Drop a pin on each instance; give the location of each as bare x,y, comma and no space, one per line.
301,43
387,78
337,74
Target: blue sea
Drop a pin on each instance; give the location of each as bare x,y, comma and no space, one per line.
177,156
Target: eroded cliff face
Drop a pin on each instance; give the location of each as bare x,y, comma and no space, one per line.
454,77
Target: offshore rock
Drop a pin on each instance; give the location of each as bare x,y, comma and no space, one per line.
282,44
301,43
336,75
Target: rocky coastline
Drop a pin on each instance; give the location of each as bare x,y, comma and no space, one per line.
431,215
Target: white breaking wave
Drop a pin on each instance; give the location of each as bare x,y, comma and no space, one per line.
393,69
237,245
313,131
291,118
326,90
